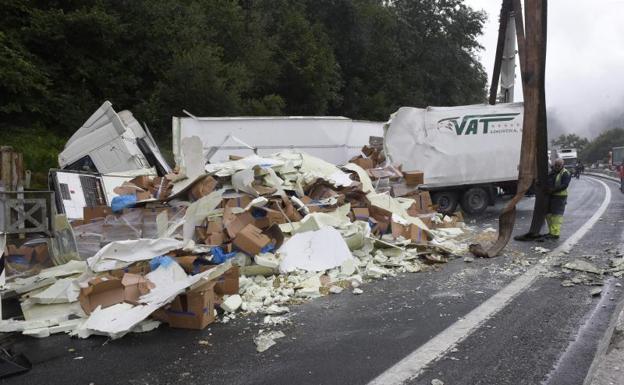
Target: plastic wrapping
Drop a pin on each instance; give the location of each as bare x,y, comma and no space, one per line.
127,226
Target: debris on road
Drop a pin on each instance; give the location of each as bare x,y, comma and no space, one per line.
582,265
200,243
265,340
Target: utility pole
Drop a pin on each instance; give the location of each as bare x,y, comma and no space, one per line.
504,59
532,49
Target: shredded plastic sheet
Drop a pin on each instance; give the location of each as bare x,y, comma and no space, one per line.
316,221
34,311
193,165
321,169
242,181
46,277
249,162
367,184
89,238
61,291
314,251
117,255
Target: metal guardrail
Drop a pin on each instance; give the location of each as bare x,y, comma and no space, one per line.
24,212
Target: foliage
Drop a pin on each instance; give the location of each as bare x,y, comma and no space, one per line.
40,149
570,141
61,59
598,149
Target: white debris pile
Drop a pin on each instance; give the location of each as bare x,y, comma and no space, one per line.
251,235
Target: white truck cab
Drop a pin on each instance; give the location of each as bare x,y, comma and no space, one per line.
110,142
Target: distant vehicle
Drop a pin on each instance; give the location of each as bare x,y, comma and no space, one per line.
617,156
569,156
110,142
616,162
465,152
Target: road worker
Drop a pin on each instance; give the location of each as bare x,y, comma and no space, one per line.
557,190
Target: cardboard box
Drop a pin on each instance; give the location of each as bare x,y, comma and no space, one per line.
234,223
261,222
90,213
213,233
422,204
382,218
410,231
310,204
365,163
194,309
320,192
108,290
414,178
427,219
143,181
240,201
454,221
275,234
202,187
28,259
143,196
228,282
361,214
262,189
140,268
134,287
275,217
186,262
391,172
161,187
215,239
251,240
401,189
290,210
214,225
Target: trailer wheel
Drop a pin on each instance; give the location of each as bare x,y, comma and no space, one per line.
475,200
446,201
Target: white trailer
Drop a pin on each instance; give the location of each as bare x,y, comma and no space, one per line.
465,152
335,139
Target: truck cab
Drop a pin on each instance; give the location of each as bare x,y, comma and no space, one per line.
569,156
110,142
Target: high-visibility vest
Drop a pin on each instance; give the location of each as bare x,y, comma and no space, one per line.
562,193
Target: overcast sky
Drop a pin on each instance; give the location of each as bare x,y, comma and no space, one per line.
584,62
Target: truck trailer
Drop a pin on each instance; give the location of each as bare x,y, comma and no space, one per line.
469,154
335,139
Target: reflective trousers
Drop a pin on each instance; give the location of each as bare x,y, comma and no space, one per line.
554,222
554,218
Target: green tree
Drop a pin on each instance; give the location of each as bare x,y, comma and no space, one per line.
570,141
61,59
598,149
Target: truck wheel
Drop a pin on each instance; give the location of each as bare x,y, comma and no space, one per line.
475,200
446,201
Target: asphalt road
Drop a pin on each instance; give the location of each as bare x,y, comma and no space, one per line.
546,334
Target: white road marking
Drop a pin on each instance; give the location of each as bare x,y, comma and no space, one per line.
412,365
